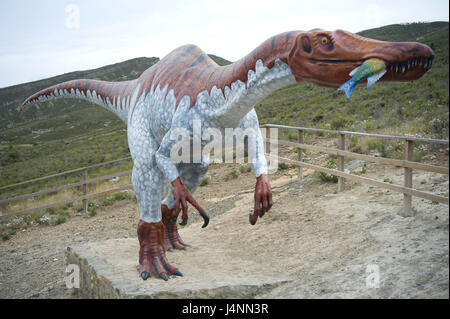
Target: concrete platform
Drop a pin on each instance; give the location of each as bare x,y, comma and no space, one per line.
109,269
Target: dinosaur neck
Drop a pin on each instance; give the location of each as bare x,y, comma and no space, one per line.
242,97
275,48
249,80
203,74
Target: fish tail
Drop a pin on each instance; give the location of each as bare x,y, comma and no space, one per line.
348,88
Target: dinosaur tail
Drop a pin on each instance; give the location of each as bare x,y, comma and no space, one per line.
348,88
117,97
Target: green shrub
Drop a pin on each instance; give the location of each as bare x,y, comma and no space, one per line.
364,169
282,165
353,142
234,173
332,163
121,196
51,210
293,135
341,121
205,181
60,220
245,168
93,211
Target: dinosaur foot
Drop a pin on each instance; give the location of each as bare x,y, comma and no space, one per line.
172,239
152,256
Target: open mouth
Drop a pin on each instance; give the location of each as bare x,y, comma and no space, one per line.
394,67
410,65
413,66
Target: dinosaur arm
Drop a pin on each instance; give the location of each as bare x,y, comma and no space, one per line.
165,153
256,150
263,192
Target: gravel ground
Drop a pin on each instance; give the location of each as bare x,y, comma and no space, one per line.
319,241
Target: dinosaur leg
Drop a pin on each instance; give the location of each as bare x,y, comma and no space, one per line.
148,183
172,239
191,175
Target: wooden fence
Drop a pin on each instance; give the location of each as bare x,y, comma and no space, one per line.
407,163
340,152
84,182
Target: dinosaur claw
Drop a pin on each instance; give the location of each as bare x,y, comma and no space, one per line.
144,275
205,219
173,220
164,276
177,273
251,220
184,222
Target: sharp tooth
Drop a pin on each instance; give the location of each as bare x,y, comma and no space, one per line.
421,62
409,64
403,69
425,65
396,68
431,63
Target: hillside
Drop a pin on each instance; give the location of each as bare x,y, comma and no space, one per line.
64,134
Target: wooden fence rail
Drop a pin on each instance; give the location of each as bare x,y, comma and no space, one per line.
341,154
84,183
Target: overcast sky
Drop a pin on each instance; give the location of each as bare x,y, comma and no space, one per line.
44,38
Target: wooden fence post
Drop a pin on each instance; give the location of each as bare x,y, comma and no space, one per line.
267,139
341,146
407,199
85,202
300,153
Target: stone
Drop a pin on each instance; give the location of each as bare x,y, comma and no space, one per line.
109,269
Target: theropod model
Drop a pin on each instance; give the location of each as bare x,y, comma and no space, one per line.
187,85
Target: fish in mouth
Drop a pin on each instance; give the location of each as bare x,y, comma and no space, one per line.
371,70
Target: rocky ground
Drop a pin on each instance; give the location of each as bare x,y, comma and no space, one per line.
320,242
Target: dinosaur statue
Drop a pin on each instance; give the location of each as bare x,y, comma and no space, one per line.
187,85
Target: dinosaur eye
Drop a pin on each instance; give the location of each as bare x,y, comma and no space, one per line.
324,40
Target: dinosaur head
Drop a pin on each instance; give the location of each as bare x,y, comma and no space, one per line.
326,58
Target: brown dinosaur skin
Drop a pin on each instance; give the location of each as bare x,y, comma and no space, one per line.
152,257
263,198
172,239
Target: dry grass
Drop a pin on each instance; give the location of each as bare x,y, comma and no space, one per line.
66,194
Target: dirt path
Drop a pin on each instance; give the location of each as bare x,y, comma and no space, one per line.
317,241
